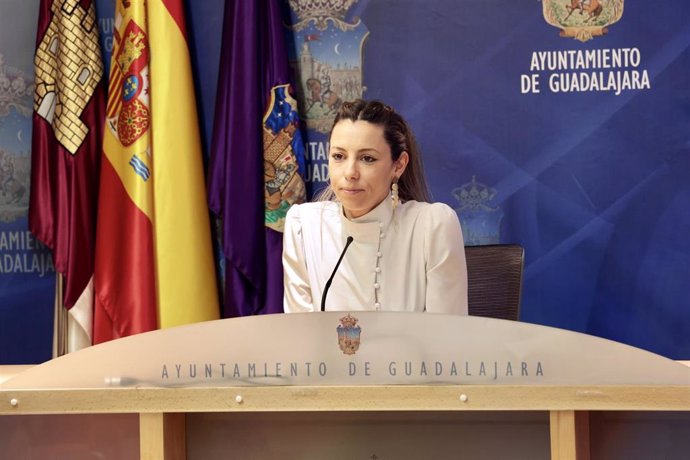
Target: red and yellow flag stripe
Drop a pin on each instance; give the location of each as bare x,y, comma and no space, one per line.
185,270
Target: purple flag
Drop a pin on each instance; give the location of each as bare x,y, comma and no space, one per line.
255,155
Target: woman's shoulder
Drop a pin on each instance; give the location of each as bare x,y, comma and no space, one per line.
430,212
438,222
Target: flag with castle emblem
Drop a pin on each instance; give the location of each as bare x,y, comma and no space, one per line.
69,101
256,155
154,264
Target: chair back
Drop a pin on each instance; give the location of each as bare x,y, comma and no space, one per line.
494,277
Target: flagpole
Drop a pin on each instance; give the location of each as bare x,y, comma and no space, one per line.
60,321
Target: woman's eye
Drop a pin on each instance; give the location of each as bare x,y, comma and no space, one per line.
368,159
337,156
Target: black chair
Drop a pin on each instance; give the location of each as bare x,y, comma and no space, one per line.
494,276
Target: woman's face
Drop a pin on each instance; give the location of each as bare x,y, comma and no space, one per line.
360,166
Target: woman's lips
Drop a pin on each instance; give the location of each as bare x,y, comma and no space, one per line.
351,191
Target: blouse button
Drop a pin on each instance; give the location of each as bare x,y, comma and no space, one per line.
378,254
378,269
380,224
382,235
377,305
377,285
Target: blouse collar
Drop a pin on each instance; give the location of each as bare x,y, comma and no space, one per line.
370,226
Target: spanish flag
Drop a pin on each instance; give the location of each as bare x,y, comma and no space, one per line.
154,263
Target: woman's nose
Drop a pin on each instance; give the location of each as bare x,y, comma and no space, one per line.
351,170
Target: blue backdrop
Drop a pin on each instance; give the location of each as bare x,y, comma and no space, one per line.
27,275
592,183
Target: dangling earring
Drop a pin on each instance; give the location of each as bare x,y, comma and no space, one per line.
394,194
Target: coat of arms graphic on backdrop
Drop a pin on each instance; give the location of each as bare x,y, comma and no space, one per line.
16,91
481,222
582,19
328,60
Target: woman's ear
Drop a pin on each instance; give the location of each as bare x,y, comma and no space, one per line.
400,164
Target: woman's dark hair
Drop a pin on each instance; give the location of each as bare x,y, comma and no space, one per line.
412,184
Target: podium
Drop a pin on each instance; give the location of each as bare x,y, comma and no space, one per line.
391,385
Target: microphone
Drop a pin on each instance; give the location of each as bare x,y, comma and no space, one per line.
330,280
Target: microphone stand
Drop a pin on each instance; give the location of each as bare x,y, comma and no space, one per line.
330,280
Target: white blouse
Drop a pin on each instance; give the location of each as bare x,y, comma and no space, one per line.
408,259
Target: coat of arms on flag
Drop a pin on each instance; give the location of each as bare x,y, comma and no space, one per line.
283,146
128,112
66,72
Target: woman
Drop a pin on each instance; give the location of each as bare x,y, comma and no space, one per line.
406,254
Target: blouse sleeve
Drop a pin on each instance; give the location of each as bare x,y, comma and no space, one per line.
446,290
297,297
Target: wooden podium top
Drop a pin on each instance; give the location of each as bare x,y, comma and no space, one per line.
357,361
348,398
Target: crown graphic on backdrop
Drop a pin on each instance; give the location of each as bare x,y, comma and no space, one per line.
320,12
481,223
474,195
